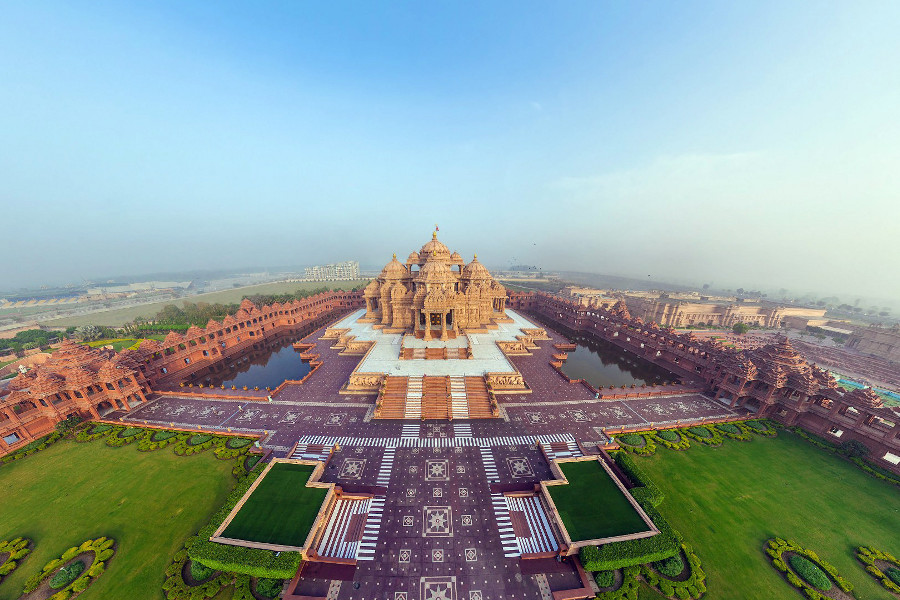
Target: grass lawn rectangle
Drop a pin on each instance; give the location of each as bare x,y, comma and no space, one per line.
281,509
592,506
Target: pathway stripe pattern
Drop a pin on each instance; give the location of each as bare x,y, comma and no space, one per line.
387,465
334,541
541,538
366,550
504,525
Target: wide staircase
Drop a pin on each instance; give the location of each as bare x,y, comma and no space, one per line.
478,400
393,399
413,408
434,397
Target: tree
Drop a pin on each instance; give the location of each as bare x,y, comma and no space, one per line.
740,328
705,286
89,333
854,449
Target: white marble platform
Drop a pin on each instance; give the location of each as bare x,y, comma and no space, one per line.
384,357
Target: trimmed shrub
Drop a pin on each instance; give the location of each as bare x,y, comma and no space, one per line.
100,428
693,586
810,573
235,443
671,567
728,428
67,575
629,588
631,439
605,579
617,555
17,549
669,435
270,588
199,438
890,577
200,571
646,490
161,436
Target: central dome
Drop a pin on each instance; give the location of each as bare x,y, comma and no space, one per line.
434,250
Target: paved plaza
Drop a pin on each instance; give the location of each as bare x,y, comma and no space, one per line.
439,525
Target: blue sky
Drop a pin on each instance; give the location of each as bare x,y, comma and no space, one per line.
743,143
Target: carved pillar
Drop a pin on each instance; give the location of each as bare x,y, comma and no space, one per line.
443,326
427,334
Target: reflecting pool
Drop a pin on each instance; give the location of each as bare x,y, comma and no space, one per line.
266,367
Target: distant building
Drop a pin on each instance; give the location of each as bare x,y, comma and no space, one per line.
686,309
342,271
880,341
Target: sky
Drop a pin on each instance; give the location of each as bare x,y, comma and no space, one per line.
743,144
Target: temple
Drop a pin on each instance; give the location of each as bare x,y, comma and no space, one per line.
434,295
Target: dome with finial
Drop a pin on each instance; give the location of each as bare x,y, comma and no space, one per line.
456,258
394,269
413,258
476,270
434,250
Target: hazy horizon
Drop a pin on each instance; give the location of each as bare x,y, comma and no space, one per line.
748,145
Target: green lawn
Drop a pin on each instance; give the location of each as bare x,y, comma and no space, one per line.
149,502
592,506
118,344
281,509
728,501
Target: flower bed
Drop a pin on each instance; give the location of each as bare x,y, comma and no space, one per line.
761,427
160,439
735,431
98,431
628,589
805,570
125,436
11,554
237,442
639,443
196,443
882,566
64,573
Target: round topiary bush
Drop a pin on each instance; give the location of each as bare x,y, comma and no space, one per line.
605,579
200,571
893,573
810,572
729,428
67,575
671,567
668,435
631,439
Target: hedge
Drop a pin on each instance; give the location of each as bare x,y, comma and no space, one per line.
237,442
890,577
629,588
776,547
672,439
32,447
692,587
645,487
15,550
638,443
736,431
160,439
102,548
270,588
671,567
761,427
810,573
867,467
176,588
605,579
126,436
198,443
616,555
67,575
705,434
238,559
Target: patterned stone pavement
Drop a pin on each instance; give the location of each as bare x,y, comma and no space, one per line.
442,534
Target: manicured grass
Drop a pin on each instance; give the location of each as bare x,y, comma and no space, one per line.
728,500
150,503
281,509
592,506
118,344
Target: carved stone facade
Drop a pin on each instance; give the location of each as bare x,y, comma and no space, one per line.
434,294
88,382
773,381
